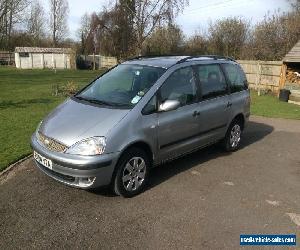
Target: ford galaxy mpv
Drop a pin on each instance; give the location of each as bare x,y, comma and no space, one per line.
139,114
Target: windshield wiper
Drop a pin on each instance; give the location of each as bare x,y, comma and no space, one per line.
101,102
96,101
80,98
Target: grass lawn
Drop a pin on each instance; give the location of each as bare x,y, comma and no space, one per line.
270,106
26,97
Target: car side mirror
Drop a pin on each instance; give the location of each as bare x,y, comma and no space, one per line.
169,105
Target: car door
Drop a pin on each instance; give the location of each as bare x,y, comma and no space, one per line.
214,107
177,128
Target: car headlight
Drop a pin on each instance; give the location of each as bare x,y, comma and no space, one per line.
90,146
38,127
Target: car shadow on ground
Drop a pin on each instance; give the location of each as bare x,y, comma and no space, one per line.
252,134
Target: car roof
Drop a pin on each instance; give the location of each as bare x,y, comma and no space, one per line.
168,61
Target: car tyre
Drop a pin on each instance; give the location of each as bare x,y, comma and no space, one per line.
132,173
233,136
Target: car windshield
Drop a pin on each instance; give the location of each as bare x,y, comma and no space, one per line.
125,85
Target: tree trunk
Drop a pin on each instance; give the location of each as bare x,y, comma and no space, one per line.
9,28
54,24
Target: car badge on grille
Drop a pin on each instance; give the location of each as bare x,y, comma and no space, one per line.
51,144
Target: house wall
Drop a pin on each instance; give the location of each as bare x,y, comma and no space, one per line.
48,61
43,60
37,61
22,62
17,60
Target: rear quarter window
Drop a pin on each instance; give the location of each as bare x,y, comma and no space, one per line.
236,77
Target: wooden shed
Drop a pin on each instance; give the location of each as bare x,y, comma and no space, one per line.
291,73
293,56
40,58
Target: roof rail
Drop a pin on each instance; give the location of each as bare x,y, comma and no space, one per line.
215,57
185,59
149,56
135,58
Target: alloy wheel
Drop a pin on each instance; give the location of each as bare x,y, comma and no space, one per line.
134,174
235,135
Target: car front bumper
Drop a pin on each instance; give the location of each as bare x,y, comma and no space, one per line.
84,172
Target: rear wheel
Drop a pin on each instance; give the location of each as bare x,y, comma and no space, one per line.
132,173
233,136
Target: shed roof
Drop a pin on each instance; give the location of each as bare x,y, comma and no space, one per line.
294,54
43,50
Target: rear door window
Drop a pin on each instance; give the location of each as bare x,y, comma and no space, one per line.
236,77
212,81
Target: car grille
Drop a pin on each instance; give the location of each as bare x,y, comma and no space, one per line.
51,144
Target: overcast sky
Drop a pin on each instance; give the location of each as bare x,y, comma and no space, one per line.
195,16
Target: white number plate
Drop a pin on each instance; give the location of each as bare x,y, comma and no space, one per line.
42,160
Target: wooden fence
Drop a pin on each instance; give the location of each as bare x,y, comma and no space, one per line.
98,61
264,75
107,61
7,58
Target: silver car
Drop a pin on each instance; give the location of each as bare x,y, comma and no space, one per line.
140,114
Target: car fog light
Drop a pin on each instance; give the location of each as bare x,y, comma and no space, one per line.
86,181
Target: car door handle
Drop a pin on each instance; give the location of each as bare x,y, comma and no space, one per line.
196,113
229,104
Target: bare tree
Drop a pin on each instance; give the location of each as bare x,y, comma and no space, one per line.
3,8
295,5
59,10
273,37
10,14
196,44
35,22
167,40
3,12
148,14
110,32
84,31
228,36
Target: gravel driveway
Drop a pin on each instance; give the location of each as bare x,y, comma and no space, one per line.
202,201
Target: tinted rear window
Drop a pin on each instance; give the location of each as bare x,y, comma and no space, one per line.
212,81
236,77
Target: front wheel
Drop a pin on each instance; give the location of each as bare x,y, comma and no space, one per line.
233,136
132,173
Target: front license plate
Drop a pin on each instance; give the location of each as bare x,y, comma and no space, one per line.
42,160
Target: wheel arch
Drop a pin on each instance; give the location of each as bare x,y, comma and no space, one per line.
142,145
136,144
240,117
